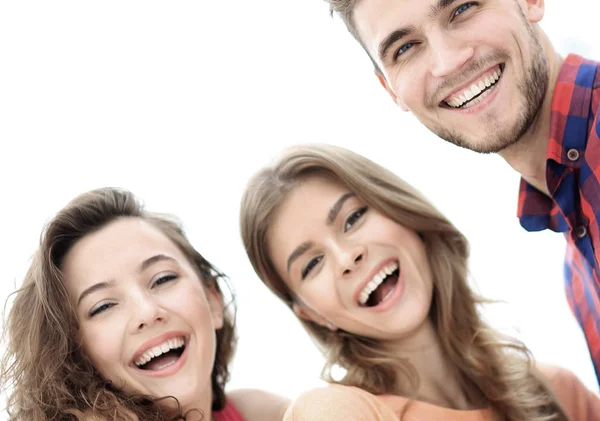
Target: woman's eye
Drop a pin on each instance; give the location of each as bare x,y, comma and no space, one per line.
403,49
354,217
310,266
463,7
164,279
100,309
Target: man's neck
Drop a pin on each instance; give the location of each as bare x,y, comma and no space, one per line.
528,156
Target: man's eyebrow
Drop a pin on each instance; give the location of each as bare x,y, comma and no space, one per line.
390,40
395,36
438,8
335,209
299,251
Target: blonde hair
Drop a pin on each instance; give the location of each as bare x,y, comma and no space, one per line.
498,366
50,377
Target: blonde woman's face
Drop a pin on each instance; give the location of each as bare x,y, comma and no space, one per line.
146,321
349,265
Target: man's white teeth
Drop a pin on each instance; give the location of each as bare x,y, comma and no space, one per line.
376,281
475,89
478,99
159,350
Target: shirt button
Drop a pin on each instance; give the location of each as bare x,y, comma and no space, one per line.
573,154
581,231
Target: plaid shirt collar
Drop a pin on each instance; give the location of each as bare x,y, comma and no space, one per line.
571,133
571,112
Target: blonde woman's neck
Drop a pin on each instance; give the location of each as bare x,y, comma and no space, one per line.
440,381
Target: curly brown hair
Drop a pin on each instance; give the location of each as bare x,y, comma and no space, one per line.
44,370
499,367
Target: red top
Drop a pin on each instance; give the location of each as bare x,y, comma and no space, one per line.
229,413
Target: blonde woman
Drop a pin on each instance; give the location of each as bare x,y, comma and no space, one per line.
378,278
120,318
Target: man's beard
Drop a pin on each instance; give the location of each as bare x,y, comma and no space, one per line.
534,89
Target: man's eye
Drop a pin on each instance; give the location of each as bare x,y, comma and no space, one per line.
403,49
463,7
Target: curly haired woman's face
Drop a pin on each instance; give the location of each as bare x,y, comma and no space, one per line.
145,320
349,264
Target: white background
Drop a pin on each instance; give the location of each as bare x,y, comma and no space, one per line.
181,102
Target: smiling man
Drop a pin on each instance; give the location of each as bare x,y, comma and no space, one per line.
484,76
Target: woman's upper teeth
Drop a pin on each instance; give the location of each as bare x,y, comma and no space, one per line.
155,351
475,89
376,281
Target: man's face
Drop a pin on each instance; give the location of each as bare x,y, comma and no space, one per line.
474,73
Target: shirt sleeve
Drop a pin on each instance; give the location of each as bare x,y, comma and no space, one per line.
579,402
339,403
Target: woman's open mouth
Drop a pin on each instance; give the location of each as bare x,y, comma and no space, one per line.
161,356
380,288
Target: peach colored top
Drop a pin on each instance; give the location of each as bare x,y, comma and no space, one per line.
344,403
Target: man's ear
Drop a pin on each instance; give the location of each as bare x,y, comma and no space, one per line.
306,313
534,10
215,304
386,86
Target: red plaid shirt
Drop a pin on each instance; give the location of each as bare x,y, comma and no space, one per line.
573,179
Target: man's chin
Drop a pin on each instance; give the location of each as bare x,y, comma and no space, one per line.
491,143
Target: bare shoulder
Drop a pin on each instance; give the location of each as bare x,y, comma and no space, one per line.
339,403
259,405
333,394
579,402
557,376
